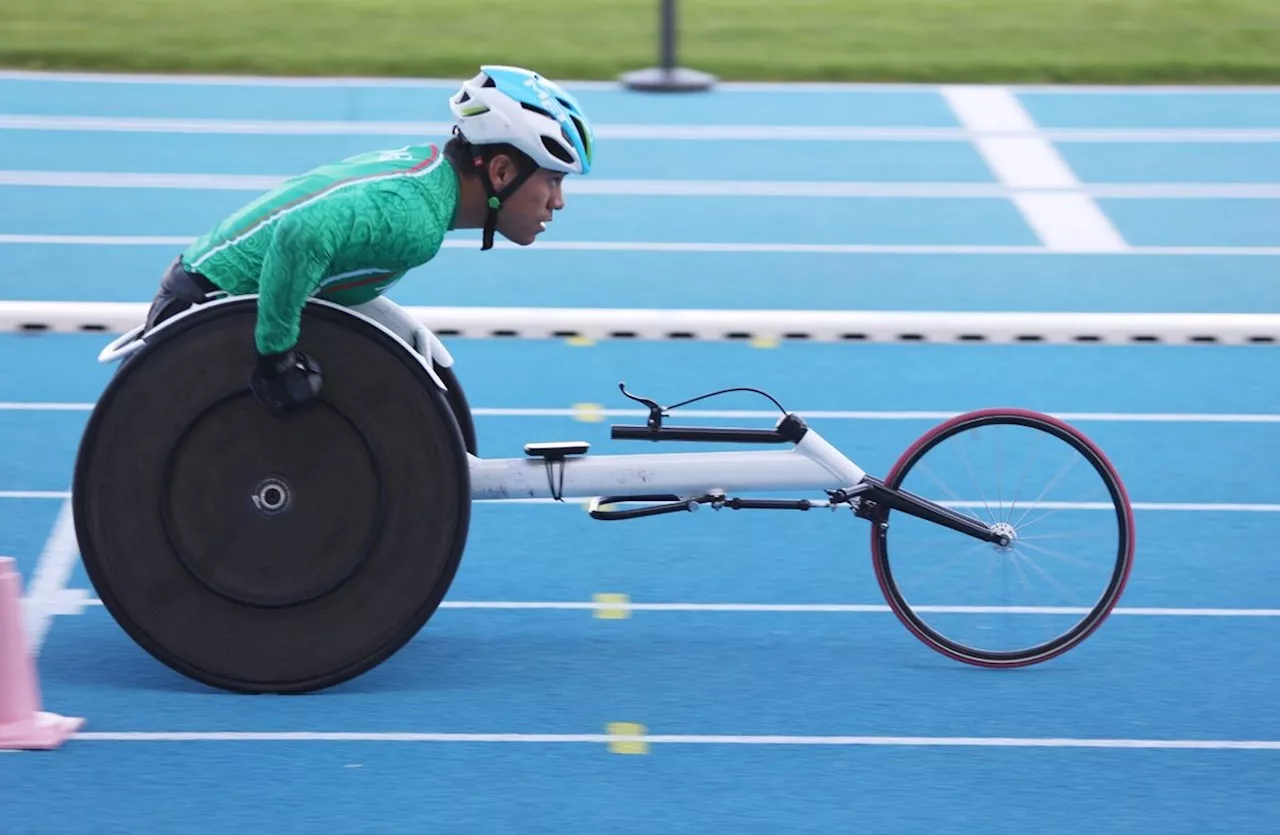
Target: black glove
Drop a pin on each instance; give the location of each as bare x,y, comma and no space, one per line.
286,381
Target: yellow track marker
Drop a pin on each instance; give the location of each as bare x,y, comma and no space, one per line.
611,606
764,342
588,412
580,341
627,746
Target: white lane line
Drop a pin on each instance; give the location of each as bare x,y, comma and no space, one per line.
34,494
820,414
98,240
382,83
1165,507
110,179
1068,221
763,414
210,79
76,600
1027,169
386,82
699,246
648,132
677,739
48,587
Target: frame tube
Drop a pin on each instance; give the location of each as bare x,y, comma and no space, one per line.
680,473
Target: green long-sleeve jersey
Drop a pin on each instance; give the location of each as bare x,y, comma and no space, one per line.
345,232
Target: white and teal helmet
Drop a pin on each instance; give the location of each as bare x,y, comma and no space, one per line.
521,108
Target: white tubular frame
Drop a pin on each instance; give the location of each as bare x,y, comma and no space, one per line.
812,464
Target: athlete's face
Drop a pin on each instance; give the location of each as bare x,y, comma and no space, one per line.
525,214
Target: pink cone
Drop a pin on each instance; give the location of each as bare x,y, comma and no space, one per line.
23,725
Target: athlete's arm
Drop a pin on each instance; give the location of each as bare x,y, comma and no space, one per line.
304,243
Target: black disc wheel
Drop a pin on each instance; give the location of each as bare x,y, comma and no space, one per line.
456,397
257,553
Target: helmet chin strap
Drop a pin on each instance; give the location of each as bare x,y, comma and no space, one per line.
495,197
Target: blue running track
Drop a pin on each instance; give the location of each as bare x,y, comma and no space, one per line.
900,739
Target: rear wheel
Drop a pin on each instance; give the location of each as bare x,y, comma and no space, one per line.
262,554
457,400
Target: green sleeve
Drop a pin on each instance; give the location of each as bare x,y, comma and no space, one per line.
303,244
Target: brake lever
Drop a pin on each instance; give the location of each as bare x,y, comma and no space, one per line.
656,412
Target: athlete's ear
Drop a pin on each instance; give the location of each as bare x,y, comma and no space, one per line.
502,170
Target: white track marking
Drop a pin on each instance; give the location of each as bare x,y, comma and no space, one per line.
1026,162
1029,173
1171,507
651,132
764,414
76,600
1069,222
1165,507
202,79
1065,219
46,593
697,246
98,240
678,739
108,179
820,414
382,82
1175,507
840,326
34,494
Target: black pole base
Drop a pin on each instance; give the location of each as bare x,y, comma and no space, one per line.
668,80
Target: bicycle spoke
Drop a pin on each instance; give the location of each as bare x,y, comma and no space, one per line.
1019,603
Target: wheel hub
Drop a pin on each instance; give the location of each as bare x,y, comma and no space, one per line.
1007,535
272,495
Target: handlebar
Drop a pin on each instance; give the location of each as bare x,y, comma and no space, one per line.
697,433
790,430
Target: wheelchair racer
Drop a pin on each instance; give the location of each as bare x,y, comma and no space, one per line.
349,230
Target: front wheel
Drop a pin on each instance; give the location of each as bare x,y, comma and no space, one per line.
1072,541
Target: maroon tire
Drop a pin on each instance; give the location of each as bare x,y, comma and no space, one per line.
1118,572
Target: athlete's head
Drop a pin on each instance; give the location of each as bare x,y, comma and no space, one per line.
519,134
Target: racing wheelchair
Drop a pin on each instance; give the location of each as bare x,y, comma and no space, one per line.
259,554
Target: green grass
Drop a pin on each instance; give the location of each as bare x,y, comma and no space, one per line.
1100,41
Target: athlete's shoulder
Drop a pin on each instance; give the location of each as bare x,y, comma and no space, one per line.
375,166
393,181
411,193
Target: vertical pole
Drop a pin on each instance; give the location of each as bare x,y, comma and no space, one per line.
668,35
667,76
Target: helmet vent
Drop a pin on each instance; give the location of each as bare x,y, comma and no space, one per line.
586,137
536,109
556,150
